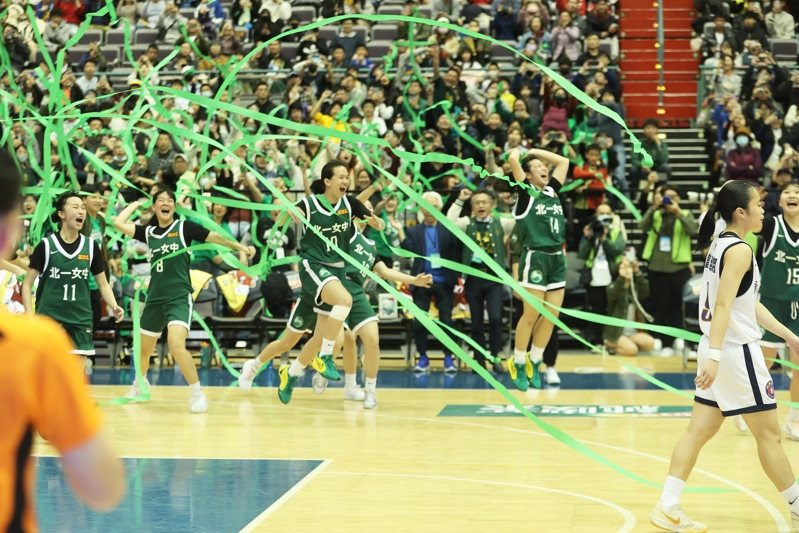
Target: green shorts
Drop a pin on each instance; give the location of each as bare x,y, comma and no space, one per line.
82,338
362,311
303,316
159,315
542,271
314,276
786,312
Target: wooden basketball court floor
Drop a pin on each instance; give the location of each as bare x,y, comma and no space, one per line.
438,454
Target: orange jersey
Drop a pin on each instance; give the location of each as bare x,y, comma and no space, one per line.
42,388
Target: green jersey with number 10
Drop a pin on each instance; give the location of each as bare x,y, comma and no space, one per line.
334,222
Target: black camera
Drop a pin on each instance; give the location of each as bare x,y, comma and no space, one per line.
599,223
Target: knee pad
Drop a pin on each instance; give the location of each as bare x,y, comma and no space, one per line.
340,312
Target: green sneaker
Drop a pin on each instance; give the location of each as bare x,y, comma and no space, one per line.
533,372
326,367
517,375
286,386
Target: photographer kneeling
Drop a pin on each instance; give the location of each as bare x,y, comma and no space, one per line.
601,248
629,288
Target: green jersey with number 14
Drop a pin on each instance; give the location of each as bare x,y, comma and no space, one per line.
542,225
63,292
780,275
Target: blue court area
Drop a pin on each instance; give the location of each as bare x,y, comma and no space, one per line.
403,379
172,495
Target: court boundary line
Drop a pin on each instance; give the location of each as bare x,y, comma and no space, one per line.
274,506
779,519
629,518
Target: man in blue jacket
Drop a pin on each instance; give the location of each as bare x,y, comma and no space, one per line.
432,240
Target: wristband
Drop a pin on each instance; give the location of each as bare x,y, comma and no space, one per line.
714,354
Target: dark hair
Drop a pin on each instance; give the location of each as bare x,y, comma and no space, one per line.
734,194
330,166
91,188
651,122
487,192
161,190
61,202
784,171
792,183
594,147
10,183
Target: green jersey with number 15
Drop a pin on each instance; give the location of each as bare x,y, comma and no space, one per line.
780,273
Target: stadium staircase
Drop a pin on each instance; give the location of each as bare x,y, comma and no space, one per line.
658,83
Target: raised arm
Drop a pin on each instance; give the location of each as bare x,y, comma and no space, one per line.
516,166
121,222
245,252
421,280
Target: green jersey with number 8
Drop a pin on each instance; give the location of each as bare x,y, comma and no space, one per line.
541,224
780,273
169,279
334,222
63,293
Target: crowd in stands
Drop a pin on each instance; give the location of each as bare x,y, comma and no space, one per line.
750,109
348,77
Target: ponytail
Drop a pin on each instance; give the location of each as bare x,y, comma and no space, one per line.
318,186
708,228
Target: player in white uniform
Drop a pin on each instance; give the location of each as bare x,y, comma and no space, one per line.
732,377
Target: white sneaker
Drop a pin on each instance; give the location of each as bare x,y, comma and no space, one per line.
370,402
319,383
88,366
657,346
354,393
792,429
675,520
198,403
740,424
248,373
553,379
666,352
134,392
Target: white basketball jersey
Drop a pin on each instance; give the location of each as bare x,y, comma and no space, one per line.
743,327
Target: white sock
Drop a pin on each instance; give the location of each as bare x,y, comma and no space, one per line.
537,354
793,415
519,357
196,389
349,380
258,362
327,347
370,384
296,369
672,490
791,496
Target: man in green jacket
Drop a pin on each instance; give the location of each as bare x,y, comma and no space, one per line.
669,231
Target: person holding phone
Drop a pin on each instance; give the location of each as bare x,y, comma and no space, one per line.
668,229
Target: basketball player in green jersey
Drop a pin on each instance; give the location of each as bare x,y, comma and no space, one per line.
330,212
169,304
779,291
542,264
362,320
64,263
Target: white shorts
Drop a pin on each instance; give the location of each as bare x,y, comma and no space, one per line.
743,384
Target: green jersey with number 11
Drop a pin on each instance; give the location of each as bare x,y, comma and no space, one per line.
63,292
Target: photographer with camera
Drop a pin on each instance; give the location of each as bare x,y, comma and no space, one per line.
669,230
602,248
